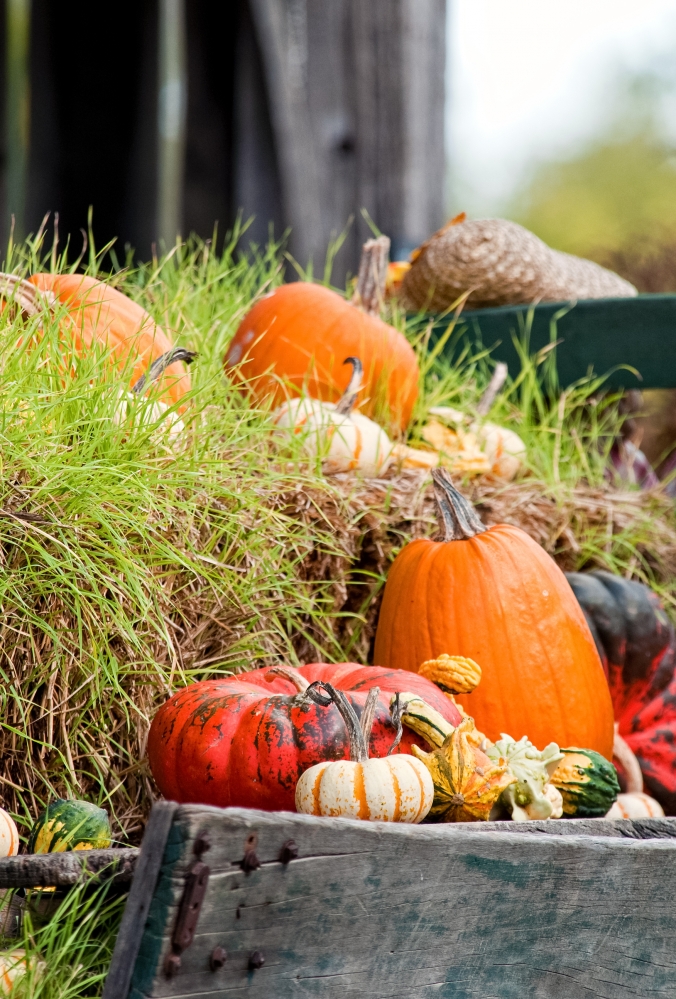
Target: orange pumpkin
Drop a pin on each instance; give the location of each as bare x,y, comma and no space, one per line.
296,338
495,596
101,314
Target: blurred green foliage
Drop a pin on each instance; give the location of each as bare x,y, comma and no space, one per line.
615,199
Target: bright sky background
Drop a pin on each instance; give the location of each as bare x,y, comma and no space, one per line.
533,79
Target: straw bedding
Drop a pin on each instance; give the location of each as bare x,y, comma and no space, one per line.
350,530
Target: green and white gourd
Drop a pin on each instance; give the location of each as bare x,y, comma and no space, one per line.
587,782
532,797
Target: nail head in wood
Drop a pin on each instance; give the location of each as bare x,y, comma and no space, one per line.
256,961
218,958
250,861
202,844
288,852
172,965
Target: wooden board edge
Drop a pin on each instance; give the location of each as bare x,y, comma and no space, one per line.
148,865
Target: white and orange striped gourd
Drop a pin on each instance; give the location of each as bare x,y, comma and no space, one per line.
394,789
345,440
635,805
9,835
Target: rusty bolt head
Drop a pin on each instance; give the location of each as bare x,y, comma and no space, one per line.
218,958
288,852
201,844
256,961
172,965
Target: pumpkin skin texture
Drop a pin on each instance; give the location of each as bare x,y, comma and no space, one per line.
244,741
70,825
637,645
294,342
495,596
101,314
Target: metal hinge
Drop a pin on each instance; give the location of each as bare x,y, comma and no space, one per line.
190,907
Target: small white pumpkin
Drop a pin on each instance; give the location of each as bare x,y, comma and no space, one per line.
9,835
395,789
13,966
345,440
503,447
635,805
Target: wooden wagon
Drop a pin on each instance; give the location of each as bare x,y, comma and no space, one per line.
227,902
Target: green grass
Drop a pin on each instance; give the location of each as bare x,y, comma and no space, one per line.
132,563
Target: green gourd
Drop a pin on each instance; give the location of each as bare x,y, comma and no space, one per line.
70,825
587,782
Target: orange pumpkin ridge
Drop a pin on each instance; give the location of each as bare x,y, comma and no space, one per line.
296,340
495,596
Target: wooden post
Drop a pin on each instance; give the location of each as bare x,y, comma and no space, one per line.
172,94
356,95
17,108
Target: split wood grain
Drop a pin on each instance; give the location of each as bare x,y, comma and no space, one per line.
67,869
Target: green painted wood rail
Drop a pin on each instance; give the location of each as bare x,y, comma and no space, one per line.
601,334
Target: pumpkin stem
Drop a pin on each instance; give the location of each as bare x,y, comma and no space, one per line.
369,713
290,674
359,752
396,710
370,290
349,397
623,752
495,384
158,367
24,294
458,519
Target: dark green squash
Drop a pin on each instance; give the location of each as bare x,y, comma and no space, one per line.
636,642
587,782
70,825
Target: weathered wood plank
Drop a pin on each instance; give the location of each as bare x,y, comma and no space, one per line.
371,910
142,890
356,94
32,870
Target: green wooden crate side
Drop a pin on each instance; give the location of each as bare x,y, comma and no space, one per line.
600,334
164,899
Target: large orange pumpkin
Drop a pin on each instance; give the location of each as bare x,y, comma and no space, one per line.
494,595
297,338
101,314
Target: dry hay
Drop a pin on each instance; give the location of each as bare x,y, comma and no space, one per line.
581,527
349,531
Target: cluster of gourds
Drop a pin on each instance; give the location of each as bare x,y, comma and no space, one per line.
64,825
397,743
290,352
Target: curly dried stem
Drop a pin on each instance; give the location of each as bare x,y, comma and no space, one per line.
358,744
158,367
423,719
349,397
290,674
458,520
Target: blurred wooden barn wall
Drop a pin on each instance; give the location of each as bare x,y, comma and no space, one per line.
299,112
